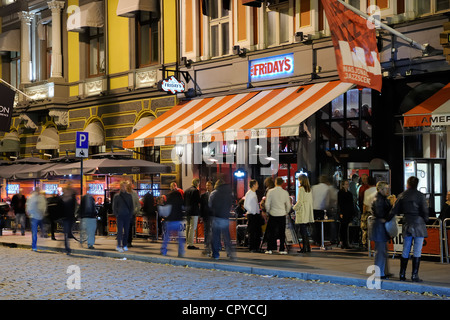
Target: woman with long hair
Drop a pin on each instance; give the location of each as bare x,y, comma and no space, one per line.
304,210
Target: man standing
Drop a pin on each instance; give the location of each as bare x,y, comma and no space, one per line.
18,203
206,215
254,218
88,216
70,204
191,205
136,211
123,209
36,206
278,205
220,202
173,222
321,203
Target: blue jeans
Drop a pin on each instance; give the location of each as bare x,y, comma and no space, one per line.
89,226
381,257
173,226
21,219
123,229
417,250
34,229
221,227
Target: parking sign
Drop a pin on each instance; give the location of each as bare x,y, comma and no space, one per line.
82,145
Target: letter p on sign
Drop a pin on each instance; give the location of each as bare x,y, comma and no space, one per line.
82,145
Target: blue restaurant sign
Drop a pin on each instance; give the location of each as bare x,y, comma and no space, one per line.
271,68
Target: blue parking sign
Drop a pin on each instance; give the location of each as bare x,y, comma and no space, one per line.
82,145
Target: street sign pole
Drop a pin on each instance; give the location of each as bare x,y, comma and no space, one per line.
82,151
81,179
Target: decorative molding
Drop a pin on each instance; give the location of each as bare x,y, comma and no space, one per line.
147,78
29,123
41,92
61,117
94,87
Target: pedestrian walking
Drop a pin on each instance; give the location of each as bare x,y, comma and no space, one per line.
55,210
18,203
206,216
254,218
192,211
123,210
321,202
381,211
136,210
304,212
173,222
413,205
70,205
220,203
88,216
347,211
278,204
36,207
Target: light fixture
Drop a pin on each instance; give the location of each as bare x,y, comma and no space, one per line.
179,150
237,50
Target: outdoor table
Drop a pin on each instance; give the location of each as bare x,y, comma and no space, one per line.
322,246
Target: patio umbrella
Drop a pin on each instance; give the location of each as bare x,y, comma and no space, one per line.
32,171
112,166
8,171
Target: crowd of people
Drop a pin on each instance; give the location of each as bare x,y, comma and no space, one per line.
360,201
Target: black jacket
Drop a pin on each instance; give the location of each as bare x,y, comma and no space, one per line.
221,201
413,205
346,205
87,207
205,210
123,205
175,199
192,201
381,210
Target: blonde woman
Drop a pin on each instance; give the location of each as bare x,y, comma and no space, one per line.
304,210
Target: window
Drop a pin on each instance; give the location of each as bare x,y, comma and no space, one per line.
432,6
96,52
219,24
279,19
345,123
147,39
15,69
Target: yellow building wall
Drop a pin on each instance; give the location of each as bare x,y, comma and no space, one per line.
170,31
118,45
73,54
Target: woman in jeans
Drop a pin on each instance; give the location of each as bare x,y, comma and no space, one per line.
413,205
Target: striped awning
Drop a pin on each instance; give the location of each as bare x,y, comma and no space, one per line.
434,111
240,116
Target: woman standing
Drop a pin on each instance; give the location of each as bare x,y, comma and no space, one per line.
381,209
304,210
346,211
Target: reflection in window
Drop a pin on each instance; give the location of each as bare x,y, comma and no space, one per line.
220,28
345,123
147,39
96,52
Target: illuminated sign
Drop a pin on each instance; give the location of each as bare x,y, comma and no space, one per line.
12,188
272,68
147,187
51,188
96,189
239,174
172,85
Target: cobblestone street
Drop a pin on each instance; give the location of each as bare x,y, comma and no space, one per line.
47,275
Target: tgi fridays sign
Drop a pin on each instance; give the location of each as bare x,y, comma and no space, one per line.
271,68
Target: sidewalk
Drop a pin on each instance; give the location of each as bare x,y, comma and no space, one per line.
338,266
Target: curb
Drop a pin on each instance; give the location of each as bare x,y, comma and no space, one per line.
393,285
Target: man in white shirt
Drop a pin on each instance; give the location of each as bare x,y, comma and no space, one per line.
369,197
321,202
254,219
278,204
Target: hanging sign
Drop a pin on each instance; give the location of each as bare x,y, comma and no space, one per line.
171,85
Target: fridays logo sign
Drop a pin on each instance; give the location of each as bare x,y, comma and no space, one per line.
355,45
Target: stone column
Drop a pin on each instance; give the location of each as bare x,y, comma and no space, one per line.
56,7
25,57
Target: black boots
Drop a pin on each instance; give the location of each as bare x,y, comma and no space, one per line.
306,246
415,269
403,265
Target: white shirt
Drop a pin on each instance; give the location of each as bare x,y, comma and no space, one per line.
321,196
278,202
251,202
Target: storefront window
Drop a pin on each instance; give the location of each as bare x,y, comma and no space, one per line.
345,123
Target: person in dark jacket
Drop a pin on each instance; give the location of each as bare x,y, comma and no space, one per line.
88,216
381,210
123,210
173,222
70,205
55,209
413,205
18,203
206,215
220,203
346,211
192,207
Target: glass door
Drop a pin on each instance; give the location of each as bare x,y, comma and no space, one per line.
432,182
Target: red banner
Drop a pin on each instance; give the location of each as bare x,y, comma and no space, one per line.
355,44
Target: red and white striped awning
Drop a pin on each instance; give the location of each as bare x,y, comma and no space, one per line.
434,111
239,116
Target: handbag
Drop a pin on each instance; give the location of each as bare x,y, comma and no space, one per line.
164,211
392,227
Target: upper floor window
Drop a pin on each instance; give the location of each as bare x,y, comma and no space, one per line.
15,69
96,52
432,6
279,18
219,24
147,39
